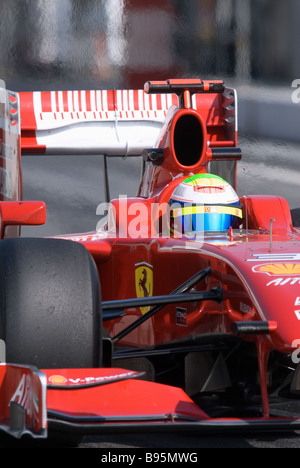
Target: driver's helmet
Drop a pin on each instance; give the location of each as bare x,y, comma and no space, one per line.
201,203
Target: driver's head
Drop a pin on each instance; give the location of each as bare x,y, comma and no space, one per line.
204,202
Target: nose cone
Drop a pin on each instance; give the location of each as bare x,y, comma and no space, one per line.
271,279
275,286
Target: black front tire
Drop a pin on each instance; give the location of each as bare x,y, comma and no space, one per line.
50,304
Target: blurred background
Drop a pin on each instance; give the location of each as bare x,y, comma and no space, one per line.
94,44
121,43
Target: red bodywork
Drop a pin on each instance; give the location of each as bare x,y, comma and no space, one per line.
254,272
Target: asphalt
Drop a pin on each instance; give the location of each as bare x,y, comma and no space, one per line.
267,111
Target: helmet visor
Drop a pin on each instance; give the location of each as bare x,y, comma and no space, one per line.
190,219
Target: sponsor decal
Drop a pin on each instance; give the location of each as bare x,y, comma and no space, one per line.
144,282
61,380
274,257
57,379
290,280
278,269
296,353
84,238
25,397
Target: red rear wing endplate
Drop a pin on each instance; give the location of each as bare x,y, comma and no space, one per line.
10,175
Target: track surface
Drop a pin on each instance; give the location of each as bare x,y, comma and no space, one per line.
72,188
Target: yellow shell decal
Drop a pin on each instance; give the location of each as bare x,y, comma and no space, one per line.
143,282
57,379
278,269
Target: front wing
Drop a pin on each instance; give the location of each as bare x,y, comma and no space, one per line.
94,401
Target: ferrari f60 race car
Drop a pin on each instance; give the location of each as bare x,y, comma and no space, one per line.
196,325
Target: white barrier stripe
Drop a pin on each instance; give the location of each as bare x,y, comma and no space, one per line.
37,102
143,108
140,100
37,105
163,102
60,101
76,104
83,100
70,102
125,100
93,100
53,102
131,100
57,101
147,102
119,103
169,101
98,101
104,100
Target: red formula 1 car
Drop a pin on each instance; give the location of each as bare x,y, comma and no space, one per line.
196,324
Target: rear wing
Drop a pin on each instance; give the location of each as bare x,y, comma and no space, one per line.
115,122
13,211
108,123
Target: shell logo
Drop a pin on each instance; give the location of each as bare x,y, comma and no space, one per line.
57,379
278,269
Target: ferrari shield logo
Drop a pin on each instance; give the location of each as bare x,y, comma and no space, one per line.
144,282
